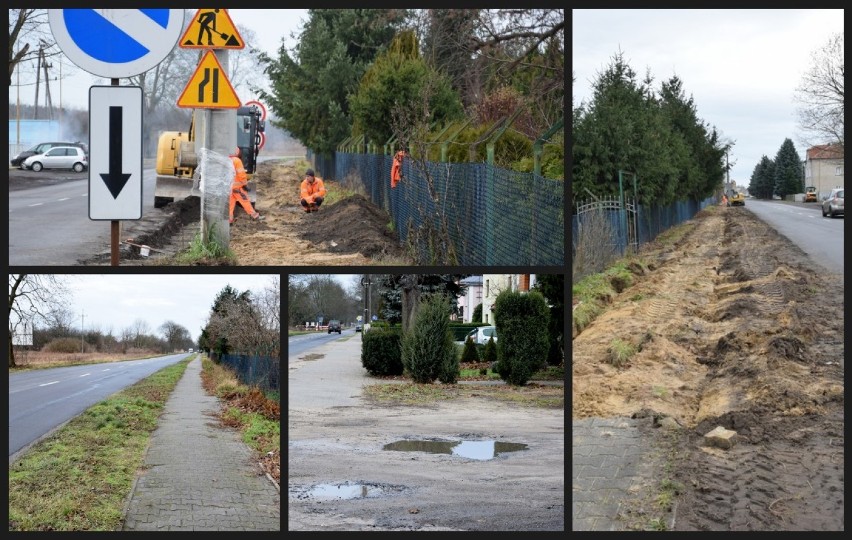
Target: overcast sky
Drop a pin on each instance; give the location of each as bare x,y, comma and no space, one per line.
117,301
269,25
740,66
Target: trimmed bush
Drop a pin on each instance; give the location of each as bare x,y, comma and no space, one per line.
490,352
521,320
428,351
469,354
381,352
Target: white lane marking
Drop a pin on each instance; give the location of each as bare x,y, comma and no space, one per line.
36,204
65,199
107,369
85,374
48,384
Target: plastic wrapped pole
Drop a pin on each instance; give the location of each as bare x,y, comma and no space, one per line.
216,174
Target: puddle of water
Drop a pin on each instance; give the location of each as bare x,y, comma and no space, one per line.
341,491
481,450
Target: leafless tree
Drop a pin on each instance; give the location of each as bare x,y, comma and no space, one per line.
820,95
141,329
269,304
127,335
34,298
175,335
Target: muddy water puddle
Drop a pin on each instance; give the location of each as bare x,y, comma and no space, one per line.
345,490
480,450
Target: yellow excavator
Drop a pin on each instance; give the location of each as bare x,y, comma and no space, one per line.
811,194
177,156
736,198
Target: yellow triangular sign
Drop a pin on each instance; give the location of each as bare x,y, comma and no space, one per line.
211,29
209,87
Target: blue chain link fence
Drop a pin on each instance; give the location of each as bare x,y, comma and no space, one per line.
263,372
651,221
473,213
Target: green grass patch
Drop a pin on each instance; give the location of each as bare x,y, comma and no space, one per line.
672,236
79,477
339,193
199,250
531,395
474,374
258,432
297,332
620,352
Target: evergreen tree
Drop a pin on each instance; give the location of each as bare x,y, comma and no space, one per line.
762,183
477,314
789,176
469,353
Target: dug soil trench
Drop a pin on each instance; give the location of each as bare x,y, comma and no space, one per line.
352,231
734,327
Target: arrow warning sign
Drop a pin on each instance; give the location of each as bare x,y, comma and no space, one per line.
115,179
209,87
211,29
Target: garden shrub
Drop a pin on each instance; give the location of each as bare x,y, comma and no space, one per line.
490,352
428,351
381,352
469,354
521,321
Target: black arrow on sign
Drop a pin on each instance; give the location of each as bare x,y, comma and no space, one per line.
115,180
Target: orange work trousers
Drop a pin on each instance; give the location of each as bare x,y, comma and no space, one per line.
239,196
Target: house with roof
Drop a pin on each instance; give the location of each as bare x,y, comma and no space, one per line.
824,168
471,298
494,284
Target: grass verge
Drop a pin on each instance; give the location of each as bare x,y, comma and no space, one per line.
531,395
256,414
79,477
199,251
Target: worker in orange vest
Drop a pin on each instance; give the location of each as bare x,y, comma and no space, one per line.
396,168
239,189
312,192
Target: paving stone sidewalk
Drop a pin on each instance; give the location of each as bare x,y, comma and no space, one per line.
611,464
201,476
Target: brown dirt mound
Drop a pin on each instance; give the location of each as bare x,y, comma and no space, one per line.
750,338
354,225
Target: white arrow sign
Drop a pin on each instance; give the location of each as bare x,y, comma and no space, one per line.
115,152
116,43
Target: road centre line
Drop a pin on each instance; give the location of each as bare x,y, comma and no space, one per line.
48,384
85,374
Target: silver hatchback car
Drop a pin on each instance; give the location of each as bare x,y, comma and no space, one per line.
59,157
833,205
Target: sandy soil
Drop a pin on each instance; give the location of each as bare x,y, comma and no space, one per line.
352,231
735,327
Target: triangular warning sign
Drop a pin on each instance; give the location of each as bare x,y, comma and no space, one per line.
209,87
211,29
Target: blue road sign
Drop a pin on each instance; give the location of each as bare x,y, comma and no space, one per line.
116,43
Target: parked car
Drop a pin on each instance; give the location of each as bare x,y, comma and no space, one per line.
41,148
358,327
482,334
59,157
334,326
833,205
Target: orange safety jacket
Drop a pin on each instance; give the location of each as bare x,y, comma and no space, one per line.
396,168
308,191
240,178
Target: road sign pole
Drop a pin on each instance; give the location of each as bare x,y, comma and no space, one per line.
115,225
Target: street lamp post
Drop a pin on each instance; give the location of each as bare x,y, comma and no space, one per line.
366,282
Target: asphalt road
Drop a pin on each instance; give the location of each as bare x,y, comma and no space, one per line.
820,237
302,344
49,223
44,399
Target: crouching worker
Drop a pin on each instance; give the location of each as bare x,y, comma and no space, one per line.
239,190
312,192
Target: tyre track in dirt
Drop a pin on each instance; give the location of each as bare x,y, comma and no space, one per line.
734,326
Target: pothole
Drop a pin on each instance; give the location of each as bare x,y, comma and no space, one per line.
481,450
345,490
